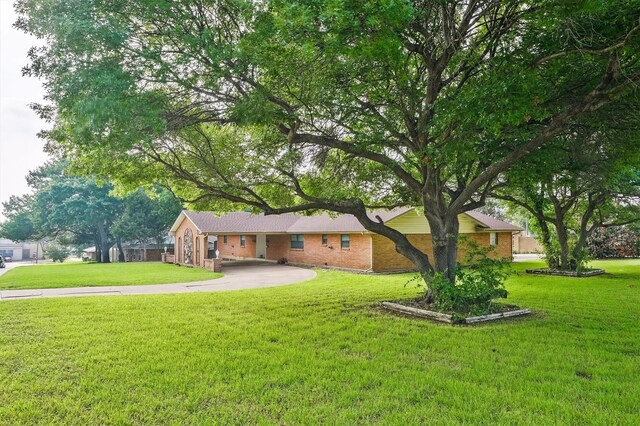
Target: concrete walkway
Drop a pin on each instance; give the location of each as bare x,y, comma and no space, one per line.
237,276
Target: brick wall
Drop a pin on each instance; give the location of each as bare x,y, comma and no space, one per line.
358,256
526,245
200,239
232,248
385,257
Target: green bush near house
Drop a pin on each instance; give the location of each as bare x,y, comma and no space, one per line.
57,253
323,351
100,274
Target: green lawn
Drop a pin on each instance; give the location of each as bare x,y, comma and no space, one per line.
322,352
100,274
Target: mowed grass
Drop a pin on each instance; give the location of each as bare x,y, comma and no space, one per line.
323,352
100,274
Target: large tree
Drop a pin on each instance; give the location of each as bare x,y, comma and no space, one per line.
304,105
146,216
587,178
71,208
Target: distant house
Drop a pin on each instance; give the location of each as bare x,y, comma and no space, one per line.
20,250
134,252
321,240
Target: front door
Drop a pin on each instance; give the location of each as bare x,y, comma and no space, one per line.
261,246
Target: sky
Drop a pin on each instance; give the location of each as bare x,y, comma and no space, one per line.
20,149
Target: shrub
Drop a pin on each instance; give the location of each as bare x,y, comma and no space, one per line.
57,253
478,282
619,241
576,263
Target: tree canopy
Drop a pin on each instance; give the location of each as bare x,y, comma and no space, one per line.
585,179
300,105
80,210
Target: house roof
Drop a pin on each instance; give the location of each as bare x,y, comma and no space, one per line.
491,223
290,223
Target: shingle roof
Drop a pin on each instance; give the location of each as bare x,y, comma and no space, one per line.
208,222
493,224
290,223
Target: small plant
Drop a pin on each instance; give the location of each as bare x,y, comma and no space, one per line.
478,283
57,253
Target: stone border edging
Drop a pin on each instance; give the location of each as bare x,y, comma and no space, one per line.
544,271
438,316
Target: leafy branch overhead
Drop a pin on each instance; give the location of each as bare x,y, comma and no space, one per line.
307,105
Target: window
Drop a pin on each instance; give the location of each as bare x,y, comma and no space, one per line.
493,238
345,241
324,239
243,240
297,241
6,253
198,251
224,239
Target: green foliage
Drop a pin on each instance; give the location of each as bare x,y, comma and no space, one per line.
82,210
146,215
578,182
577,258
324,105
478,282
615,242
18,228
57,252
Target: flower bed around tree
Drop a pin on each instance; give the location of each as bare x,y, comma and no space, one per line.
583,273
415,307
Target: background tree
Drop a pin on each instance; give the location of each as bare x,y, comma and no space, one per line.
147,216
65,207
587,179
292,106
18,226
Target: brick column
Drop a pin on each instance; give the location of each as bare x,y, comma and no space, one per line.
217,265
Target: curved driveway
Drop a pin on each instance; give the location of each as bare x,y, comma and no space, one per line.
237,276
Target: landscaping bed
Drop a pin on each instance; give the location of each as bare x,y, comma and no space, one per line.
418,308
585,273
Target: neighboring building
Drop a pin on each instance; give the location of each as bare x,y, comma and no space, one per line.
134,252
523,244
20,251
89,253
340,242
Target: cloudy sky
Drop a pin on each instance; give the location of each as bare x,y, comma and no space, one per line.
20,148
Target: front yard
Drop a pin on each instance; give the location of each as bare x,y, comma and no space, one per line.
100,274
323,352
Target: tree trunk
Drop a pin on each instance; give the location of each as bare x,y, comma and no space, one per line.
98,247
121,257
444,237
105,244
585,230
563,241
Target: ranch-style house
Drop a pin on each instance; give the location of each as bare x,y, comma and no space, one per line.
320,240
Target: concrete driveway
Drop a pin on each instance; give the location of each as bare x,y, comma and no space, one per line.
237,276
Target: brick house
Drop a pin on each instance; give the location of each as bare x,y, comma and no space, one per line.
321,240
